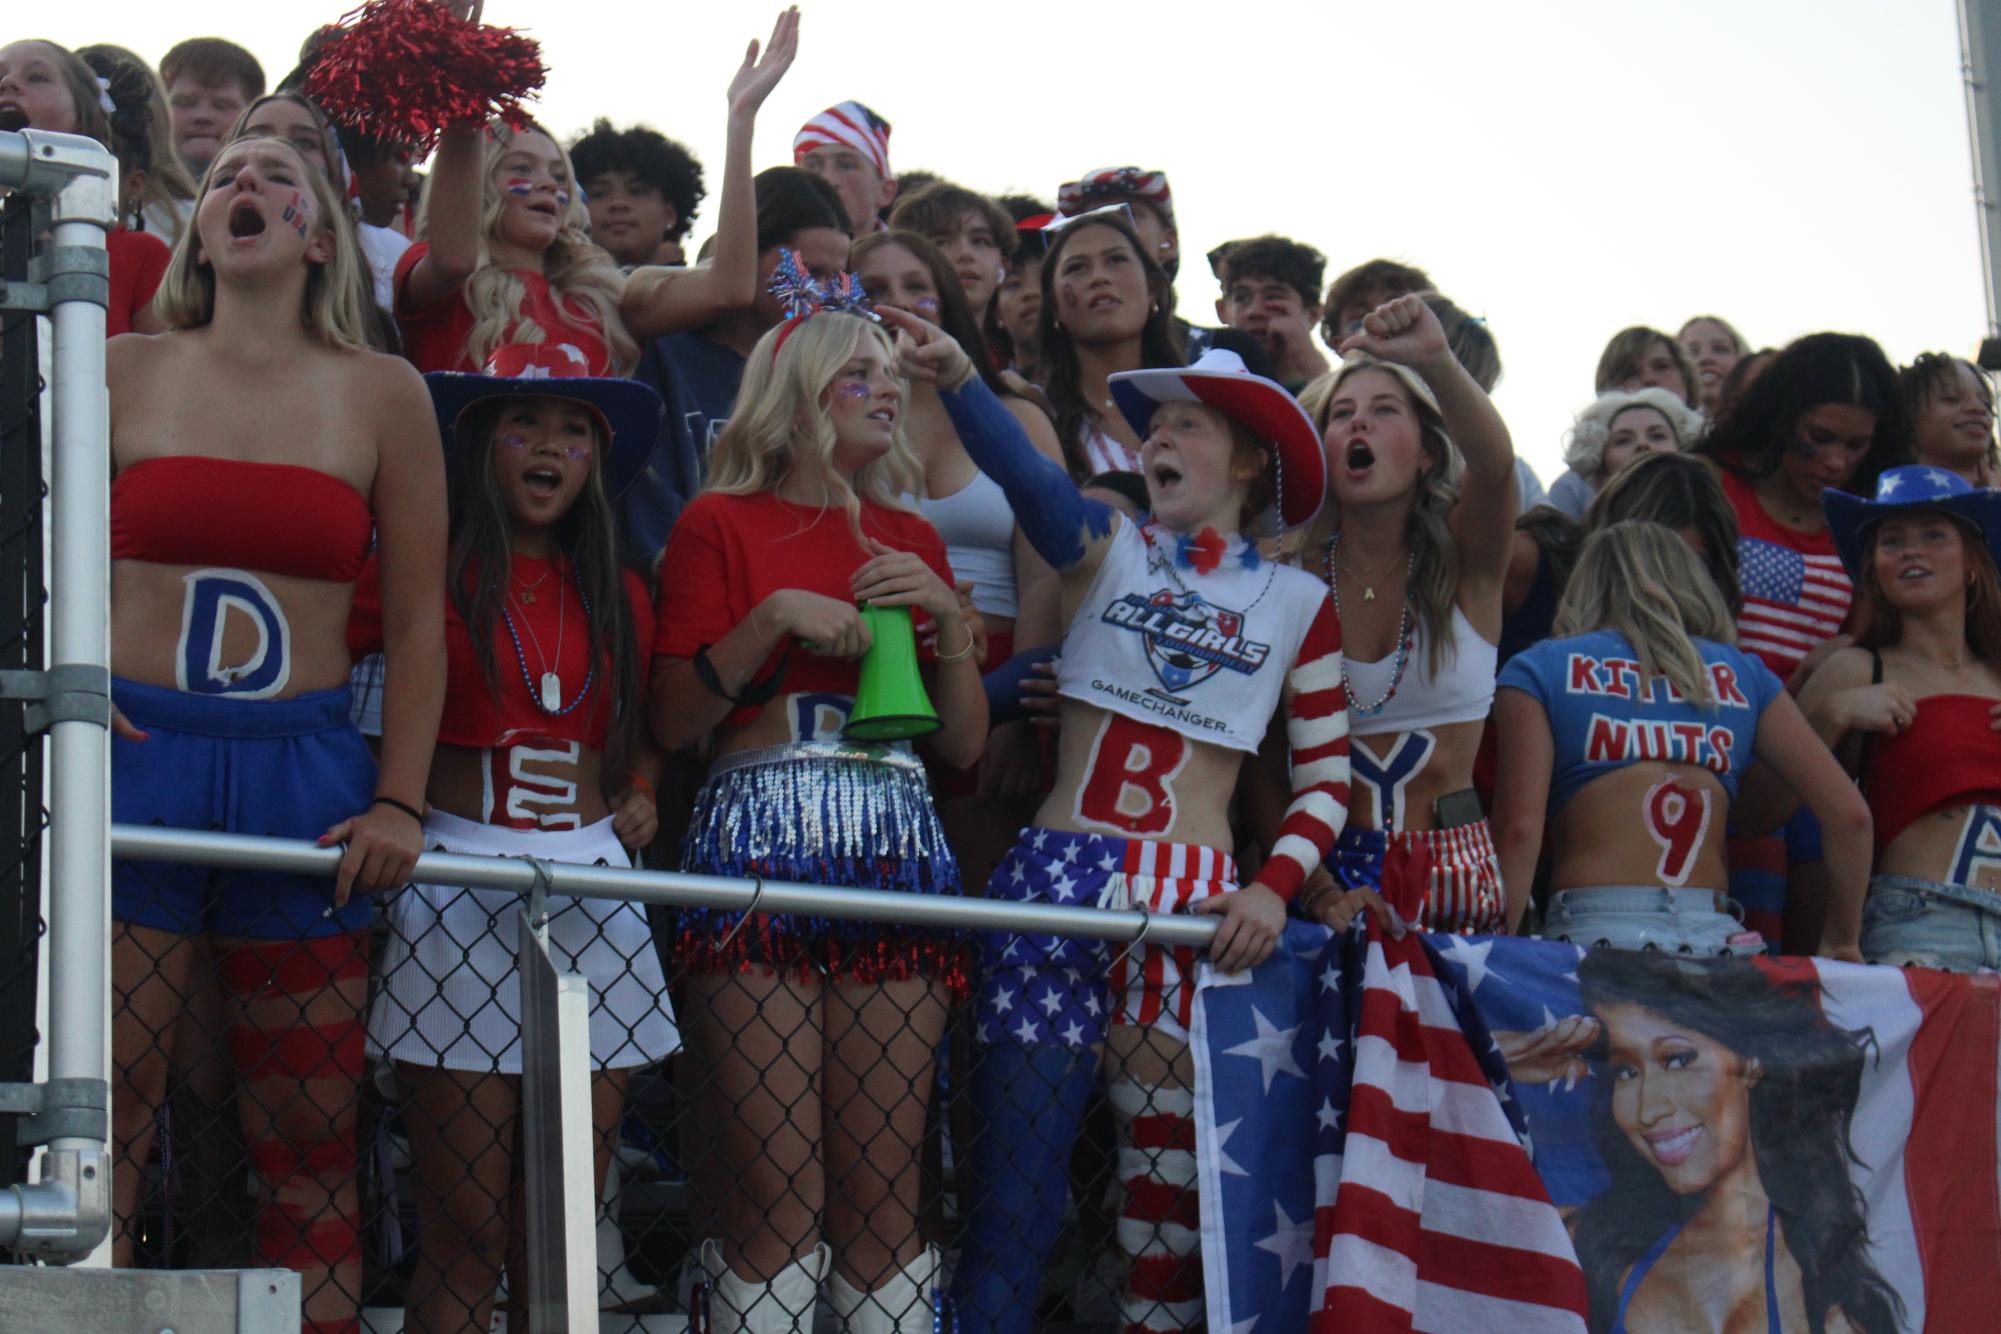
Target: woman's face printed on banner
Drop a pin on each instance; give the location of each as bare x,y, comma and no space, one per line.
1683,1100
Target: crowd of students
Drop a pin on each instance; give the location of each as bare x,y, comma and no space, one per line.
1214,620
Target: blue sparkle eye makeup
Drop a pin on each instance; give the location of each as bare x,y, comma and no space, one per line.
512,440
851,390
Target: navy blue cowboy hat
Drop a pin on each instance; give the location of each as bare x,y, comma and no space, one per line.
1914,486
628,412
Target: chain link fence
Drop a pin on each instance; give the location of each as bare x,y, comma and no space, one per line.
349,1106
22,599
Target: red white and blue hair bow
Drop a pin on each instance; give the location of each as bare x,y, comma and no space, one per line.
805,296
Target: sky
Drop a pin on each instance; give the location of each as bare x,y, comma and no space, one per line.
1564,168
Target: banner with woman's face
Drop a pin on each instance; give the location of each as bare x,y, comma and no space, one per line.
1731,1143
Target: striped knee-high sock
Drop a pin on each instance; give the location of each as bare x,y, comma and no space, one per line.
1159,1225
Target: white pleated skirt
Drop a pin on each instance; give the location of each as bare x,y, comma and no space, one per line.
449,992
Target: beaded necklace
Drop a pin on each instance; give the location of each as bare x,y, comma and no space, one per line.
549,698
1403,634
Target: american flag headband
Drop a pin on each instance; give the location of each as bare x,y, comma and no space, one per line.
803,296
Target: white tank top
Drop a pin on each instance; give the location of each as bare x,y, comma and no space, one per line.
1205,655
977,526
1462,693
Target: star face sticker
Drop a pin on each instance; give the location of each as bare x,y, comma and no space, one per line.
1271,1048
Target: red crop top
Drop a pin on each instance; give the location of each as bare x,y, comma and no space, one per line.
272,518
1949,756
728,553
472,717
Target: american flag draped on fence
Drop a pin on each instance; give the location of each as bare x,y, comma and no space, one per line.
1384,1183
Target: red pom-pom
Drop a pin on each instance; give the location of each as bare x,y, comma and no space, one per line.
405,70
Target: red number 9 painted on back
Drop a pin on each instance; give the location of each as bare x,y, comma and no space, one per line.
1678,818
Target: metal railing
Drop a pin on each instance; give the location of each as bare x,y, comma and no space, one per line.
674,889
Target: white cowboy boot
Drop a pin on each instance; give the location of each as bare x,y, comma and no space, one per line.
782,1306
908,1303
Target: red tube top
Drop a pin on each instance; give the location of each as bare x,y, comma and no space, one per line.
272,518
1950,756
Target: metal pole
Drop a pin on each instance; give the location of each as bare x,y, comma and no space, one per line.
80,597
673,888
66,1213
1980,57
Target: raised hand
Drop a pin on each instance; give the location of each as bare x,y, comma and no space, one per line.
1403,330
926,352
757,77
1554,1051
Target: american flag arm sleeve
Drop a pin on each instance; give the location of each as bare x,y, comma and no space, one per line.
1316,733
1053,514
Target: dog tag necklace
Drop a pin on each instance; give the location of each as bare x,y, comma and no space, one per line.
548,692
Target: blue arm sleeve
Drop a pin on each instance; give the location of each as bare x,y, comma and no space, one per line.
1053,515
1003,684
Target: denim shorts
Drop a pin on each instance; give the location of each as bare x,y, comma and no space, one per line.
1650,917
1917,923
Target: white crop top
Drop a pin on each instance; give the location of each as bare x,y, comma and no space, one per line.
1462,693
1205,655
977,526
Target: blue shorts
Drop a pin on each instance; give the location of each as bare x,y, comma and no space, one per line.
284,768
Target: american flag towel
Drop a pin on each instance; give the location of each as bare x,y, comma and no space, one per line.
1363,1165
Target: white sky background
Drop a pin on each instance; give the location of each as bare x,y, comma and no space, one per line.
1562,167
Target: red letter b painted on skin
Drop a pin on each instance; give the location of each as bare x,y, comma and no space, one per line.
1131,782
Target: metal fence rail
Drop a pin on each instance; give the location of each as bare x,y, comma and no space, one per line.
674,889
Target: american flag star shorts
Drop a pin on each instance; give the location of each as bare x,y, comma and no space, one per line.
1033,989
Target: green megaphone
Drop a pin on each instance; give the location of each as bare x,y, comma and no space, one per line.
890,703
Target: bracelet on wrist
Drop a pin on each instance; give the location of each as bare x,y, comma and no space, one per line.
402,806
963,653
636,779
